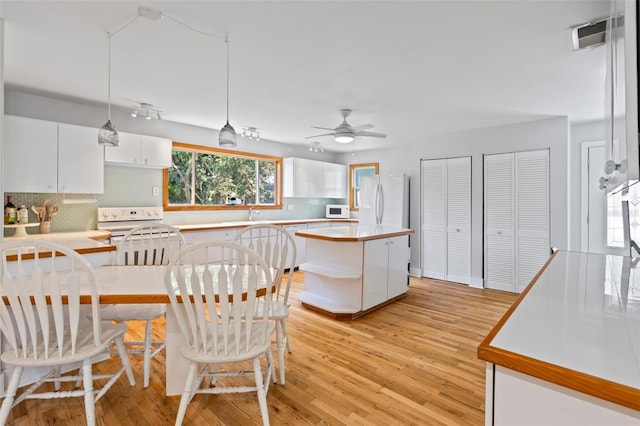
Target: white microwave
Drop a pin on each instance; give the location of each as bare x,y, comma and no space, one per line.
337,211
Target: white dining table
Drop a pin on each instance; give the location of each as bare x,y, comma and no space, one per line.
145,284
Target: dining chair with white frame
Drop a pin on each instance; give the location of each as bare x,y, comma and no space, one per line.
144,245
45,328
278,248
214,287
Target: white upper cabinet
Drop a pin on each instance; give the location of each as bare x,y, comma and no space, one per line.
314,179
335,180
80,160
140,150
44,156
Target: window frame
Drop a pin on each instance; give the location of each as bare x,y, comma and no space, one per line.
181,146
352,170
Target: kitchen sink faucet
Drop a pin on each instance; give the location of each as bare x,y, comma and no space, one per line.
252,212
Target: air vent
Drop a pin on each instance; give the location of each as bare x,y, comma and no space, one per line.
594,33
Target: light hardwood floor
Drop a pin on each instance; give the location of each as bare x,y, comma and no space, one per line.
410,363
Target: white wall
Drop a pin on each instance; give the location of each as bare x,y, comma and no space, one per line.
550,133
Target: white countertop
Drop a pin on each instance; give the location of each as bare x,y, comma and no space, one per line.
354,233
582,314
244,223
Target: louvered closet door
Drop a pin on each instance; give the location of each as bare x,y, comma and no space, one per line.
459,220
499,221
532,215
433,219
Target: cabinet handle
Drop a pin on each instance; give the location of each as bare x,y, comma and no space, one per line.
390,242
499,232
146,161
457,229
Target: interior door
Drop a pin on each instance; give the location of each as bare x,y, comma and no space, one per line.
434,219
597,201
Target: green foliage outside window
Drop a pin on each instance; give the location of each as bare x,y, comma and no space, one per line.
203,178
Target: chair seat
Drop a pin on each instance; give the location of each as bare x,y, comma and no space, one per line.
85,347
126,312
256,347
277,310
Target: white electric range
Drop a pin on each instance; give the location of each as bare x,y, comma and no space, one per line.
119,220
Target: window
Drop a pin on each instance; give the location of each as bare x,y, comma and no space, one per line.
356,171
204,178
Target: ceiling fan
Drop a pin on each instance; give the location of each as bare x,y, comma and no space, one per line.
345,132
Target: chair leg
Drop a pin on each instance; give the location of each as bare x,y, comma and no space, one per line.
89,402
187,393
262,394
147,353
56,374
122,352
285,333
10,395
281,338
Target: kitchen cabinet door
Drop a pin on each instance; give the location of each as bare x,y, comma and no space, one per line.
155,152
397,280
300,242
140,151
126,153
80,160
375,277
31,152
335,180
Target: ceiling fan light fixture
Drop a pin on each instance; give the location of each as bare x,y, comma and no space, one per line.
344,138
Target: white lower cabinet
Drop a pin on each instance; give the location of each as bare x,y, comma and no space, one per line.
227,234
300,242
385,269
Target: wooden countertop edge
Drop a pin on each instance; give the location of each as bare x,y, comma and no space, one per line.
44,255
600,388
105,235
211,227
581,382
352,239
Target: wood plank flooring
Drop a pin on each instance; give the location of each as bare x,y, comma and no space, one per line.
410,363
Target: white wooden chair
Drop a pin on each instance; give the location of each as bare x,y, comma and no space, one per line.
226,331
278,248
144,245
43,330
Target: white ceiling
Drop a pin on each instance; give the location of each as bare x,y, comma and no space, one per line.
413,69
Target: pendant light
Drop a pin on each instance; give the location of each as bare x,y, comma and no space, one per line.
108,135
227,133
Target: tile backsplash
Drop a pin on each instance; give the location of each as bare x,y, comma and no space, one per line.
132,186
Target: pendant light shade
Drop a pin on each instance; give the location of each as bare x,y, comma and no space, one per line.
108,135
228,137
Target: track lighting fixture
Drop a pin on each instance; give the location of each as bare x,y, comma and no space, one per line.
146,111
316,147
251,133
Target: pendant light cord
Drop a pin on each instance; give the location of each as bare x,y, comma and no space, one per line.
109,79
226,40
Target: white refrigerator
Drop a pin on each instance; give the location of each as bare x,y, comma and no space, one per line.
384,200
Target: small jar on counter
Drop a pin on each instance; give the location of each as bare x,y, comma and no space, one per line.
23,214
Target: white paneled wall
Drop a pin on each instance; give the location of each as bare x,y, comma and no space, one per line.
446,219
516,218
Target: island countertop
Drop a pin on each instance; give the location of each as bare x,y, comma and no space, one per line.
576,325
354,233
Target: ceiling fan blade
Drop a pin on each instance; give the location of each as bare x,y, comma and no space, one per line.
361,127
322,128
317,136
372,134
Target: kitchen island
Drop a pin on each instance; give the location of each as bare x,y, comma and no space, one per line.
351,271
568,351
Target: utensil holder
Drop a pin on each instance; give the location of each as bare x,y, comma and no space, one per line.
45,227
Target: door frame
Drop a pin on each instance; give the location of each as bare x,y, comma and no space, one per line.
584,191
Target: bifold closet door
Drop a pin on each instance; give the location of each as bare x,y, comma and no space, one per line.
446,219
434,219
532,215
459,220
516,218
499,268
